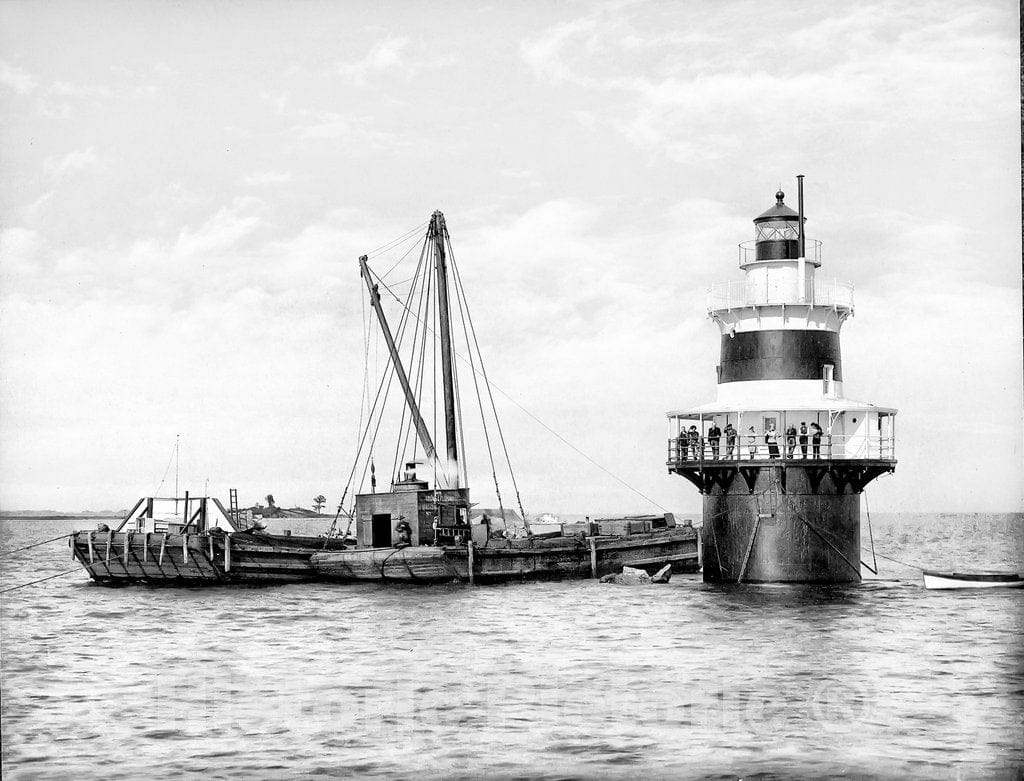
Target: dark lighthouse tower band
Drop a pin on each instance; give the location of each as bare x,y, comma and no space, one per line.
782,456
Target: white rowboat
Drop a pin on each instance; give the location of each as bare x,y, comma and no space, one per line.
950,580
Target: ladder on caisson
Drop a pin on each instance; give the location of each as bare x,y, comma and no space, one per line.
767,503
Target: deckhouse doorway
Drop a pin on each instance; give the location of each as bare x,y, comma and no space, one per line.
381,530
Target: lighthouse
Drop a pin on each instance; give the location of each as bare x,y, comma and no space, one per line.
781,456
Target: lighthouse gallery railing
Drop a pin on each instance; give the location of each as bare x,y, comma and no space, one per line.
739,293
831,447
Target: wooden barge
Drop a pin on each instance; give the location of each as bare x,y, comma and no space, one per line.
496,560
198,543
146,549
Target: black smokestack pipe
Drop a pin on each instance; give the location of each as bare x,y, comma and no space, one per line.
800,211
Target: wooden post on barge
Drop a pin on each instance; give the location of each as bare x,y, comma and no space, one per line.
593,556
469,559
227,553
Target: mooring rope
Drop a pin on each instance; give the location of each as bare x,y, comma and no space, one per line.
904,563
34,545
32,583
540,422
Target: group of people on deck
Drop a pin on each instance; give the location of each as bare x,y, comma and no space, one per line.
690,443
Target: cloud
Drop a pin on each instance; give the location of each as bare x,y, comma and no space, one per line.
356,131
701,97
262,178
393,55
101,92
223,231
73,162
19,250
17,79
90,91
279,100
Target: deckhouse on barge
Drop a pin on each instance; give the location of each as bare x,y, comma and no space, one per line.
782,456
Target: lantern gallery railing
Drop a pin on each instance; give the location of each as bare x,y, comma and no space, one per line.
686,450
748,249
741,293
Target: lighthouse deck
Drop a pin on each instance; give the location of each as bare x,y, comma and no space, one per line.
703,451
707,469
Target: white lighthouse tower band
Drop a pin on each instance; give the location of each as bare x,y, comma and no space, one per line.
781,506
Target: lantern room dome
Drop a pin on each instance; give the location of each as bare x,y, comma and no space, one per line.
779,211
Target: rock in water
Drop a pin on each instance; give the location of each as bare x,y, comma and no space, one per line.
631,576
634,577
663,575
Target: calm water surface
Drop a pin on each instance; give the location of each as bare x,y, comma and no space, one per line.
553,680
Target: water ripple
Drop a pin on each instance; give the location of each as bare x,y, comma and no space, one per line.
544,680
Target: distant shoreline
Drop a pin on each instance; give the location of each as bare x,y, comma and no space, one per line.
44,516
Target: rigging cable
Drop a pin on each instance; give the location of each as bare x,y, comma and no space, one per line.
460,431
402,441
34,545
40,580
395,242
389,375
423,356
463,316
871,536
433,321
391,372
170,460
554,433
460,289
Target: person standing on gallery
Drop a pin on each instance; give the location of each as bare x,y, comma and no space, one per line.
714,438
816,433
803,438
730,440
790,440
681,444
752,443
695,445
771,437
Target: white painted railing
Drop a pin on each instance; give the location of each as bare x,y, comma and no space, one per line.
828,447
742,293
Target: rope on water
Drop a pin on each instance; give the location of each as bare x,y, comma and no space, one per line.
51,577
904,563
34,545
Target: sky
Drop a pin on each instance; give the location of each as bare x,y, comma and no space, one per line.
185,189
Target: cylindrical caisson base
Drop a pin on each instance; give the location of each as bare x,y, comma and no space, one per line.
793,528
